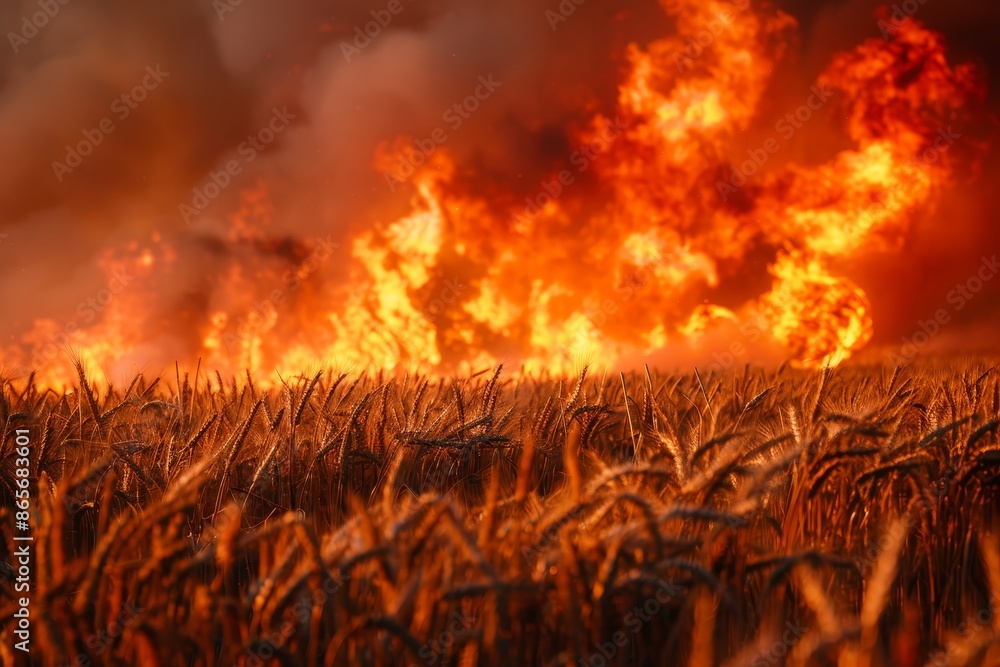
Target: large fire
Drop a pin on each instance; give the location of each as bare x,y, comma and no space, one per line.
647,239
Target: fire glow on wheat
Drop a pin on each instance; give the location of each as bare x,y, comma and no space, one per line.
634,247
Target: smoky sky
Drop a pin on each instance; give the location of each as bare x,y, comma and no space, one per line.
230,65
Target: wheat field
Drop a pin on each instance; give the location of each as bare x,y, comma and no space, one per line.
783,517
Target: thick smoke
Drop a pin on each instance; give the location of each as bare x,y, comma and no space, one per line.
226,66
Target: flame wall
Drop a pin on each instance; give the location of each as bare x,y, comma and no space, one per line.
679,182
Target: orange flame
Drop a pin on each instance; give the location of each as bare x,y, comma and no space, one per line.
636,246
